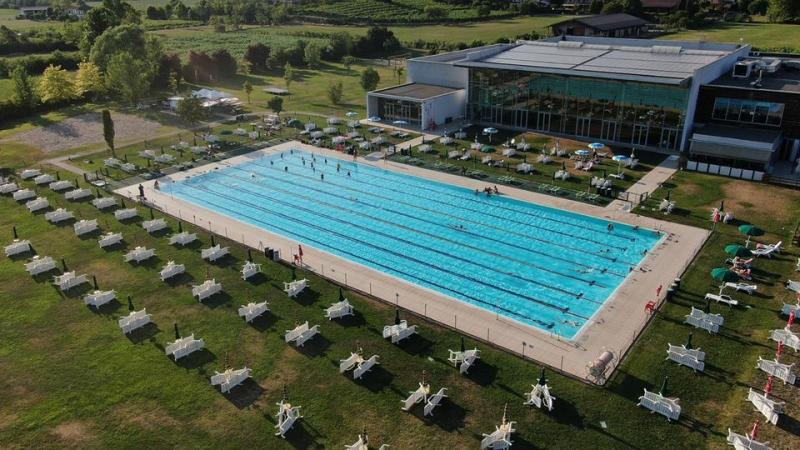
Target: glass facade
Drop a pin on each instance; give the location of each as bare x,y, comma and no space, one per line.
391,109
627,112
748,111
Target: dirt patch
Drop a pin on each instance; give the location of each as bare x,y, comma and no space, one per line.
148,417
6,420
73,434
83,130
748,199
284,374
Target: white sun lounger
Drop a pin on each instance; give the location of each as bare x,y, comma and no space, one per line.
700,319
206,290
164,159
30,173
253,310
112,162
17,247
104,202
58,215
787,337
69,280
359,364
127,213
301,334
84,226
464,360
294,288
657,403
693,358
399,332
539,396
788,308
768,250
742,287
7,188
109,239
287,416
154,225
500,439
182,238
793,286
777,369
230,378
61,185
722,298
99,298
40,264
416,396
213,253
78,194
771,409
434,401
250,269
184,346
134,320
360,444
339,310
37,204
44,178
743,442
24,194
171,269
140,254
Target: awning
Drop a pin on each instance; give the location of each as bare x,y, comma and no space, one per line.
743,144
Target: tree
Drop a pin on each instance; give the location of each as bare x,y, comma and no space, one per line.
95,22
257,54
88,79
370,79
128,77
348,61
23,92
483,10
56,85
339,45
224,63
248,89
191,109
108,131
758,7
398,71
313,52
633,7
126,38
436,12
288,75
782,10
335,92
596,6
612,7
276,104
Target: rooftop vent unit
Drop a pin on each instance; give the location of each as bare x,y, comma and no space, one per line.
666,49
570,44
743,69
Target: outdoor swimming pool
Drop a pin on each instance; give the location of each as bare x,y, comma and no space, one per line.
545,267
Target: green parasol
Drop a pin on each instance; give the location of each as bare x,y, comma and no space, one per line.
738,250
724,274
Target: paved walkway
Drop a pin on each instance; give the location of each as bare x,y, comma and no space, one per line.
648,183
614,327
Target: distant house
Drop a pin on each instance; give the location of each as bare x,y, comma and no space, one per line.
576,5
605,25
34,12
78,11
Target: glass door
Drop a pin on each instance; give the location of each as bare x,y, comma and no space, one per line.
583,126
521,118
543,120
608,130
669,138
640,133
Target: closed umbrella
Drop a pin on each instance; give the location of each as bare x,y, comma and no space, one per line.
130,304
294,274
738,250
463,347
663,390
177,333
94,281
689,342
341,294
750,231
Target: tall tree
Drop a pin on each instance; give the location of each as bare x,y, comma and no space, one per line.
88,79
313,53
128,77
56,85
288,75
108,131
191,109
257,54
23,92
370,79
132,39
335,93
248,89
276,104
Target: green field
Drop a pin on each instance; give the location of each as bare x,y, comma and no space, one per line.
404,11
763,36
8,17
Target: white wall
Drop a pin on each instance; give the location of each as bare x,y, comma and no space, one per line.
437,73
438,109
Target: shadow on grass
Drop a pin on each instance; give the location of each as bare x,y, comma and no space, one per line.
149,263
482,373
245,394
376,380
265,322
91,235
109,308
217,300
416,345
355,320
197,359
307,298
180,279
144,333
566,413
317,346
258,279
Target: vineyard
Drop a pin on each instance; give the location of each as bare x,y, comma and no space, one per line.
182,40
387,11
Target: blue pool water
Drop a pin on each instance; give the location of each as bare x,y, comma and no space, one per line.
545,267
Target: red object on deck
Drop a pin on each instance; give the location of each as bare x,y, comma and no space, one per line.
756,426
779,352
650,307
791,319
768,387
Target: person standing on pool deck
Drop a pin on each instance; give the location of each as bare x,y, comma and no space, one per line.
141,192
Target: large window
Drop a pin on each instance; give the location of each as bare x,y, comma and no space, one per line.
640,114
748,111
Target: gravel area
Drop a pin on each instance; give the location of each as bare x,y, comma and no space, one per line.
83,130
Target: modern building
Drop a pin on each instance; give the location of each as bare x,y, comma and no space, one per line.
628,92
749,119
607,25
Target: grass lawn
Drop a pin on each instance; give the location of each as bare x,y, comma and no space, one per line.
763,36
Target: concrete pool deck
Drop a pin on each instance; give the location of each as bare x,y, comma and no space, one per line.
614,327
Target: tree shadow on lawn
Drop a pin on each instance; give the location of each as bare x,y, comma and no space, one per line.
302,436
245,394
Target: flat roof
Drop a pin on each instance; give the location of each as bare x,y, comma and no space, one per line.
739,133
784,80
666,62
416,91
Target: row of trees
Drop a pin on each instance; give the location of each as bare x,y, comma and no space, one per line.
223,12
